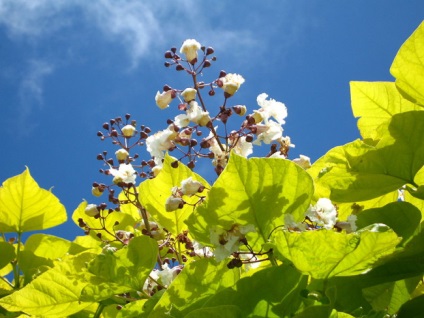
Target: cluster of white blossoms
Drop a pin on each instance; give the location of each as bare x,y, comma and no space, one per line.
323,213
188,187
267,129
228,242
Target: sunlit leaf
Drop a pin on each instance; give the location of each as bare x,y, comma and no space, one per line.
271,292
323,253
375,103
193,287
257,191
55,293
40,252
155,192
24,206
358,171
408,67
124,270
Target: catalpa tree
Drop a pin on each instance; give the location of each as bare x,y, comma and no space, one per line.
273,236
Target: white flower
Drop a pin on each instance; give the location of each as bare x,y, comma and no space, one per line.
190,187
167,275
227,242
91,210
231,83
128,131
303,161
190,48
201,250
243,148
125,173
160,142
121,154
182,120
197,115
271,108
269,132
323,213
173,203
189,94
163,100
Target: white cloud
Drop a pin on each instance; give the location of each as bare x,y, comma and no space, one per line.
31,91
141,27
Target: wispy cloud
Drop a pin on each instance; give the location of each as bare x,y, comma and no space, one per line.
141,27
31,92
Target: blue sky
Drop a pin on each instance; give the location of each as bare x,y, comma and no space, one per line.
67,66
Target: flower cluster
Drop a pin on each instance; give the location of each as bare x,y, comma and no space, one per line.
227,242
322,215
189,187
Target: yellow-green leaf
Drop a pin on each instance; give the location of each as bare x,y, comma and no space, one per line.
155,192
24,206
375,103
55,293
408,67
323,254
257,191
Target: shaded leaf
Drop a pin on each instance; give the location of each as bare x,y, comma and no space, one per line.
225,311
401,217
7,252
390,296
271,292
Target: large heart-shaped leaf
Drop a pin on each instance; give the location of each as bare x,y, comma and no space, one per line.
24,206
257,191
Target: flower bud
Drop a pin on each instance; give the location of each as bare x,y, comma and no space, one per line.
240,109
121,154
91,210
128,131
96,191
173,204
189,94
